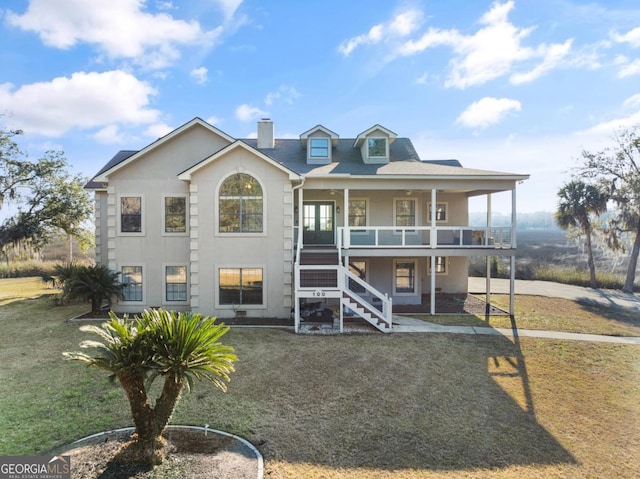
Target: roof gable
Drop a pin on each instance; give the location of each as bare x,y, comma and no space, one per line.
305,136
186,175
362,136
103,176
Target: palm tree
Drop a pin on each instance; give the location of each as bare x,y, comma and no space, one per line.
180,347
577,202
96,283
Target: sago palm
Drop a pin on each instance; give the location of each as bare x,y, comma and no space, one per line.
180,347
96,283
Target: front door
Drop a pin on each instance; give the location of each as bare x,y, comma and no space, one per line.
318,222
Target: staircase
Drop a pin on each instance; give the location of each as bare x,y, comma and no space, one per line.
319,275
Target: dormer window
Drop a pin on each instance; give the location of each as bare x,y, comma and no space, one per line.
319,147
319,141
377,147
374,145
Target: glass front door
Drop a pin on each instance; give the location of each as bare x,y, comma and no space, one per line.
318,223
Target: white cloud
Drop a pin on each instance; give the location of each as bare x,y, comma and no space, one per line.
487,111
213,120
286,93
228,7
158,130
249,113
490,52
632,37
401,25
199,75
109,134
629,69
632,101
84,100
552,56
121,30
630,120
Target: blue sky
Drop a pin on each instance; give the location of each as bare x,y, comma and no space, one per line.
515,85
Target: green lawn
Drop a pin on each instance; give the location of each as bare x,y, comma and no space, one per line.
354,406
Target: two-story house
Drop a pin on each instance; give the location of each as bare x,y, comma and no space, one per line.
201,221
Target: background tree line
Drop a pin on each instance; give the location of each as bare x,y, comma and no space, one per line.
606,181
39,199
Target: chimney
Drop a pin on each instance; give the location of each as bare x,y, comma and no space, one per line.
266,136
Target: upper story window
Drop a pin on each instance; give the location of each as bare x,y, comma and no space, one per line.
319,147
441,212
405,212
358,213
377,147
240,205
175,214
131,214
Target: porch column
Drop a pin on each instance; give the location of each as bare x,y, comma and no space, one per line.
514,217
433,236
346,236
512,266
486,242
433,285
433,240
300,218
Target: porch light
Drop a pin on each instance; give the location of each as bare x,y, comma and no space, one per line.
408,192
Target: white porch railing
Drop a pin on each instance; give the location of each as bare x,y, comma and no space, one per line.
424,237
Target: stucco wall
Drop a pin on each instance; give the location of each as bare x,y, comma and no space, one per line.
270,250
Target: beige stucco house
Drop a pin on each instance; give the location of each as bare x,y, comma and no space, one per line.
263,228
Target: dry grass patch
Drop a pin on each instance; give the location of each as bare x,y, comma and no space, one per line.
356,406
554,314
427,406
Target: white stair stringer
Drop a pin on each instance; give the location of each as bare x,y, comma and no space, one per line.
366,311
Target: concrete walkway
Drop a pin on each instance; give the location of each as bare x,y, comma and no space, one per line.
402,324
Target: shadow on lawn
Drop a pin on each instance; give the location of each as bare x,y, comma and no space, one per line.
406,402
617,306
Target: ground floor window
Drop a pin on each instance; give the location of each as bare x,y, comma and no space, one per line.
441,265
131,283
240,286
405,277
175,283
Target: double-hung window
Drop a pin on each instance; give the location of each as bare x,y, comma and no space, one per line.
240,205
319,147
131,214
358,213
441,212
175,214
405,277
175,278
405,212
441,265
131,283
240,286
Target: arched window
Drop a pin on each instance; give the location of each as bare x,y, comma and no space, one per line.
240,205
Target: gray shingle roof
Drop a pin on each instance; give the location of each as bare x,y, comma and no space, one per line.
346,160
